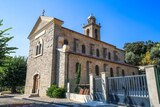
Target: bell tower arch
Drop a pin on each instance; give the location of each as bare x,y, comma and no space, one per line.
92,29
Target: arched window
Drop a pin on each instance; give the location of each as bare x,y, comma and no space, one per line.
65,42
97,70
123,73
96,34
83,49
97,52
87,32
77,64
109,55
133,73
39,48
111,72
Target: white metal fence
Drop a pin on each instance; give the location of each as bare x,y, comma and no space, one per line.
128,86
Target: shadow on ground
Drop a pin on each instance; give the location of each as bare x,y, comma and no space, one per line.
4,96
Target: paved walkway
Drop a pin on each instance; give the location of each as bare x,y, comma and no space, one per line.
16,100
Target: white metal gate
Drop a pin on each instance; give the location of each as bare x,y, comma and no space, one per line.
98,96
130,85
129,90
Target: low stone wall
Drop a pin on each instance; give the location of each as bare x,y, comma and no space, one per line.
79,97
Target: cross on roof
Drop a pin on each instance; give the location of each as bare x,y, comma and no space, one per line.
43,12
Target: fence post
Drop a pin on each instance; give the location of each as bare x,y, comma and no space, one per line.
68,87
104,88
91,80
68,91
152,87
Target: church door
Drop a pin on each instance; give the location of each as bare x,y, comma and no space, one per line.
35,83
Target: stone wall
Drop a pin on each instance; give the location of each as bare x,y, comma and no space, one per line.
85,40
61,68
44,63
79,97
76,58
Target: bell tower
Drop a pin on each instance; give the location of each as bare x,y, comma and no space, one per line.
92,29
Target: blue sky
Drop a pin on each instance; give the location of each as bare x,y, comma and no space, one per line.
121,20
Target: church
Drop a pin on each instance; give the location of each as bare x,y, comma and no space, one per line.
58,55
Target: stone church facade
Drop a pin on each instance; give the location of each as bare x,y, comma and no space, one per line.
55,53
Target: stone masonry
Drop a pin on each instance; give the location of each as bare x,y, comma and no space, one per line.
55,50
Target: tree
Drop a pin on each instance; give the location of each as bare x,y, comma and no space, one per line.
4,49
78,71
138,53
14,75
130,58
147,60
149,45
155,54
137,48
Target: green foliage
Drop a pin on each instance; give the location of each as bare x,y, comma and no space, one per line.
130,58
14,73
149,45
59,93
137,48
4,49
141,53
78,71
155,54
147,60
56,92
50,90
20,89
4,89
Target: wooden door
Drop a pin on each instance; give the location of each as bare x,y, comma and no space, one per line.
35,84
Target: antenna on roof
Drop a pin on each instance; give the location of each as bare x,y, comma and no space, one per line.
43,12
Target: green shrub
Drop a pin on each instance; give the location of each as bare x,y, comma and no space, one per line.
20,89
56,92
50,90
